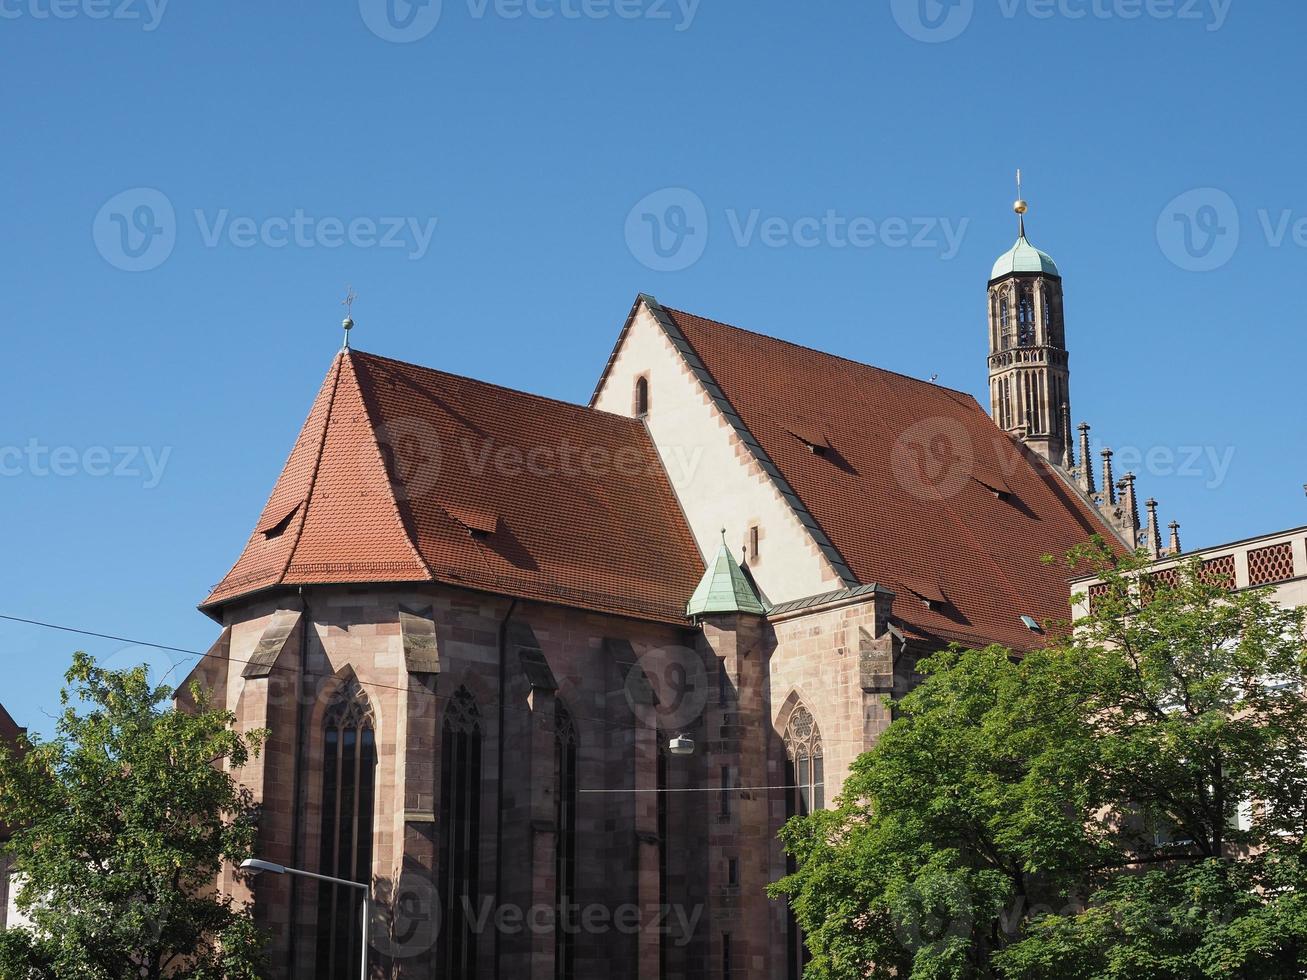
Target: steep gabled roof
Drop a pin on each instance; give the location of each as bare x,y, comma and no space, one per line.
913,484
406,474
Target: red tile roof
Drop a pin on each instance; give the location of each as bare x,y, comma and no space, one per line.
407,474
908,490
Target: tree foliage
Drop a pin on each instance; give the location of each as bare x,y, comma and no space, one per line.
1130,800
124,820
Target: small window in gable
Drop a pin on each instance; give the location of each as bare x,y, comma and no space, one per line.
641,397
753,544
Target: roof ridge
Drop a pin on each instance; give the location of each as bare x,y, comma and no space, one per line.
576,406
336,364
731,415
934,386
405,523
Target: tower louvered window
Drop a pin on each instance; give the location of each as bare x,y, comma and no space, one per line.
1026,320
349,759
460,836
565,852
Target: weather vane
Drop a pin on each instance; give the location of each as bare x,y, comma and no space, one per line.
1020,207
348,303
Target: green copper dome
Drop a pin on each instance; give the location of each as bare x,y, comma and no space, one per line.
1024,257
724,588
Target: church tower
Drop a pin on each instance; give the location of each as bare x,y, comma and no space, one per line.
1029,395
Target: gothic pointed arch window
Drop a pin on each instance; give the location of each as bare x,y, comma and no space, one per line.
349,761
565,852
805,767
1005,320
803,749
460,835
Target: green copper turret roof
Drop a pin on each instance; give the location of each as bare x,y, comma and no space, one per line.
1024,257
724,588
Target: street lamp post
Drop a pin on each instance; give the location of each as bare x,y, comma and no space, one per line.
254,866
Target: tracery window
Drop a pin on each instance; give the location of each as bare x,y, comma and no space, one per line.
460,835
349,760
806,771
803,749
565,851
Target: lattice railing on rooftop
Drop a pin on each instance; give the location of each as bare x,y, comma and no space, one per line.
1219,571
1274,563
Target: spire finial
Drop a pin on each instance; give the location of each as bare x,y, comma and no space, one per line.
1020,207
1154,535
348,303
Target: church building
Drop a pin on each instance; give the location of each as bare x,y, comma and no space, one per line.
550,677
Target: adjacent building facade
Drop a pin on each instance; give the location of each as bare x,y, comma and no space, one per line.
483,627
9,916
1276,561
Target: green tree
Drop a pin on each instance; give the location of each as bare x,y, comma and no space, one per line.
125,818
1129,801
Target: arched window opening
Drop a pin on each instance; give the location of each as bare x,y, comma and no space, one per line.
805,768
565,851
349,759
460,835
1026,320
641,397
1005,321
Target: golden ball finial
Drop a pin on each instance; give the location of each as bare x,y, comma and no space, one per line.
1020,207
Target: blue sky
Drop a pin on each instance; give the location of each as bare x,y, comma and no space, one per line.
472,175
